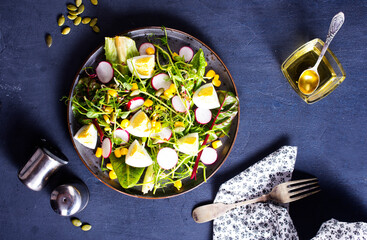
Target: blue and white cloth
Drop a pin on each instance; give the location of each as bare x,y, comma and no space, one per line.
270,220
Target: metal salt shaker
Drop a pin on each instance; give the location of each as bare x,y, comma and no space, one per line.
43,163
69,199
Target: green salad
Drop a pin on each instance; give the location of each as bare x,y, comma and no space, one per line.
152,116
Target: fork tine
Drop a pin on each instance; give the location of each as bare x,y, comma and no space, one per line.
300,186
301,181
294,193
304,195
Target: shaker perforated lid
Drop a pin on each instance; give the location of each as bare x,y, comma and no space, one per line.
69,199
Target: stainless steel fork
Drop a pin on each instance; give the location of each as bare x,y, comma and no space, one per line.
283,193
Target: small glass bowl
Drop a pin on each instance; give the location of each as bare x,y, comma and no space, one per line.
330,70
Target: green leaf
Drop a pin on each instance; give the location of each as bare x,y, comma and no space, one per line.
199,63
92,114
127,176
224,115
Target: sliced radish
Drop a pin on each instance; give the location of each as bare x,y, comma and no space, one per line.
164,135
161,81
104,72
203,115
122,134
167,158
143,48
187,53
209,156
106,147
135,103
178,104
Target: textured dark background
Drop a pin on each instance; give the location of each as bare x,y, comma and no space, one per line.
253,38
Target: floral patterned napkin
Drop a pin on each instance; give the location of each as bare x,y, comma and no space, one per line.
270,220
260,220
333,229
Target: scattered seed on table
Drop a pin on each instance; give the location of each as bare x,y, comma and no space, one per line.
93,22
86,227
61,20
72,17
65,30
78,3
73,13
71,7
48,40
86,20
76,222
81,9
77,21
94,2
96,29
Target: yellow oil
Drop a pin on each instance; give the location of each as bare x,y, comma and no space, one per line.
307,60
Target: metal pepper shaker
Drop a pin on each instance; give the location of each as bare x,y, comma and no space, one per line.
44,162
69,199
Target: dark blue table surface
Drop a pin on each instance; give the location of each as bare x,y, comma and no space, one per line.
253,38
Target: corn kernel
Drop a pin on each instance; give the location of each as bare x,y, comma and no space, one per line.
168,93
109,166
112,93
107,119
179,124
216,144
148,103
177,184
117,153
216,83
172,88
107,129
157,127
210,74
112,175
134,87
124,151
149,51
99,152
174,54
108,110
125,123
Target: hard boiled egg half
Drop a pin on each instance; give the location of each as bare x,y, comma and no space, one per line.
140,125
189,144
206,97
137,156
87,136
142,66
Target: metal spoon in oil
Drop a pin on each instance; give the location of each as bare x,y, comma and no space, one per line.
309,80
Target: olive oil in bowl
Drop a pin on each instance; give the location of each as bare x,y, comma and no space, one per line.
330,70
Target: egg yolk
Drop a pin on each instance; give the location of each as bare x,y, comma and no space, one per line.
206,92
145,65
140,121
189,140
135,149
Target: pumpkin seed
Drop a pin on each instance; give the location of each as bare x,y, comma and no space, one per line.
71,7
65,30
76,222
73,13
94,2
72,17
86,20
86,227
78,3
77,21
81,9
96,29
93,22
48,40
61,20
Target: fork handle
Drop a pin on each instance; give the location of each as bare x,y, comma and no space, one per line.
211,211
